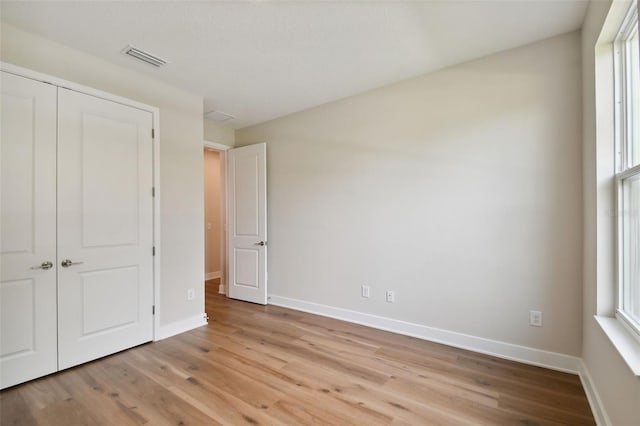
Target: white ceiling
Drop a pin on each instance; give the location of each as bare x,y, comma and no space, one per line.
258,60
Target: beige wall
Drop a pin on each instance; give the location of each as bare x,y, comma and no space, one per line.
617,387
212,212
460,190
181,175
217,132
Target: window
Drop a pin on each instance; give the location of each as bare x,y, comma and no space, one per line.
627,79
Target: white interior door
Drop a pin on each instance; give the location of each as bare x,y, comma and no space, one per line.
28,343
105,291
247,220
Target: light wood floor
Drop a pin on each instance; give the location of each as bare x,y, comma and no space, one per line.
269,365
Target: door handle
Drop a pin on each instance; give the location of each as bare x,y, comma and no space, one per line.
44,265
260,243
66,263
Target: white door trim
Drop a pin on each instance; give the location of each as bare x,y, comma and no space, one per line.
216,145
224,211
35,75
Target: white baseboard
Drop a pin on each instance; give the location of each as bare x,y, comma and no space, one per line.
181,326
537,357
597,408
222,289
212,275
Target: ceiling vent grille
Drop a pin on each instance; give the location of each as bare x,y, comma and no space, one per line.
143,56
218,115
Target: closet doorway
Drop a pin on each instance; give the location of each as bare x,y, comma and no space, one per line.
76,238
215,257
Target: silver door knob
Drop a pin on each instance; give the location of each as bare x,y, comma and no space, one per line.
260,243
66,263
44,265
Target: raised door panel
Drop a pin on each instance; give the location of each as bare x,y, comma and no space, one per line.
28,335
105,224
246,193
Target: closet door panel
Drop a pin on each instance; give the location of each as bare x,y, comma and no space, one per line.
105,291
28,333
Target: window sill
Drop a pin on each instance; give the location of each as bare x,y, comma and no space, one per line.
623,341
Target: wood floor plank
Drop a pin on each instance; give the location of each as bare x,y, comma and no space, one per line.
90,392
535,376
375,398
151,400
42,392
65,412
205,372
14,409
543,394
344,365
266,365
221,406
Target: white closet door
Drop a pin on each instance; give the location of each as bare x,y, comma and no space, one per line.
27,230
105,294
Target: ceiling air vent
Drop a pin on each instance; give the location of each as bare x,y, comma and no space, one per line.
143,56
218,115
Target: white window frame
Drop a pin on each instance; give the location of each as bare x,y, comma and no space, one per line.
623,132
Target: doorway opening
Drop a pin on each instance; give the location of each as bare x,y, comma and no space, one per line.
214,220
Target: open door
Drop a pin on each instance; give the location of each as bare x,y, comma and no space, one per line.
247,196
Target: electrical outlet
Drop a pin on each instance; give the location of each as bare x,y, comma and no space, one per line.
535,318
191,294
366,291
391,296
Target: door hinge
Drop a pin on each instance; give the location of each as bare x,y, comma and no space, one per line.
153,251
153,309
153,191
153,133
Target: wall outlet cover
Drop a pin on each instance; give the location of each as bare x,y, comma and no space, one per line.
366,291
535,318
391,296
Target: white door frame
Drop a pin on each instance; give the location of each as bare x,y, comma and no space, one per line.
34,75
221,148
